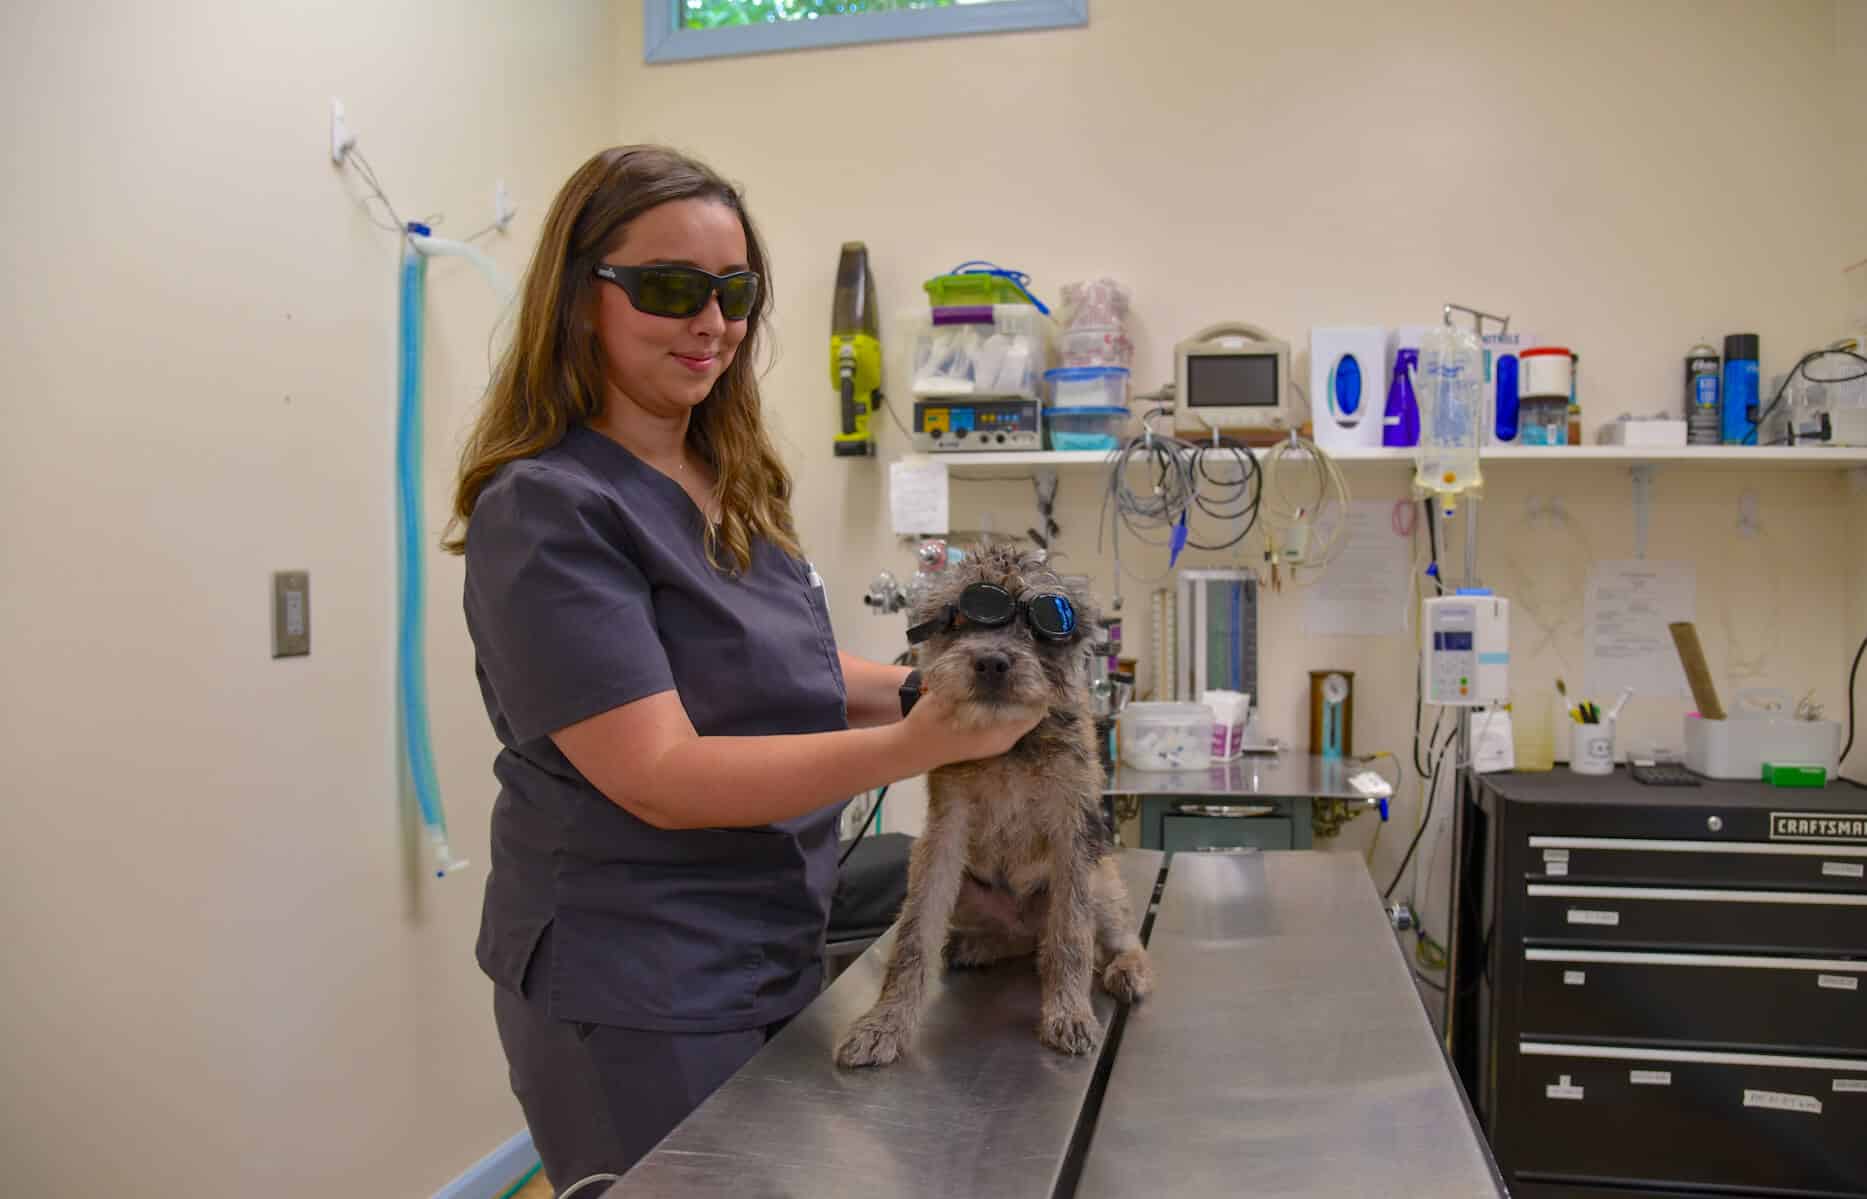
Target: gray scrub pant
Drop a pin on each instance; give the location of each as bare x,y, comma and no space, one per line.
596,1097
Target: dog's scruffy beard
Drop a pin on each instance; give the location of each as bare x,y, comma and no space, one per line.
965,667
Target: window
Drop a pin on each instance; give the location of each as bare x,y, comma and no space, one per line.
685,29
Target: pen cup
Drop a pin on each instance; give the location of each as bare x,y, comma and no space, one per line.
1591,748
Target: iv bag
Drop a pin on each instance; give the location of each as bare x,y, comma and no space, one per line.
1450,390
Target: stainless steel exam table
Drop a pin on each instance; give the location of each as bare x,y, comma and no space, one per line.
1284,1052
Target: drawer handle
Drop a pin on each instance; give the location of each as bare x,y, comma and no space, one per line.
1223,849
1227,811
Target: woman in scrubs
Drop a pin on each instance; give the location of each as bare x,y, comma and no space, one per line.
679,730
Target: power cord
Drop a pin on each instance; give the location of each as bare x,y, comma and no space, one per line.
1750,438
581,1183
869,821
875,809
1182,478
1432,797
1292,519
1853,674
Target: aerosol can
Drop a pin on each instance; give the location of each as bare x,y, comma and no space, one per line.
855,353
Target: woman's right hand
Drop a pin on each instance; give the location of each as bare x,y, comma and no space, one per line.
941,737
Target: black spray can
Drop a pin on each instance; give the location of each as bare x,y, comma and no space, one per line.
1702,412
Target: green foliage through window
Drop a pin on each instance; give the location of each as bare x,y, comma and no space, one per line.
717,14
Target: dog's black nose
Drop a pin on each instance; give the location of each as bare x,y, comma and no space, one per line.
992,668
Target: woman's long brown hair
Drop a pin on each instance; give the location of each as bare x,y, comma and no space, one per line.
551,376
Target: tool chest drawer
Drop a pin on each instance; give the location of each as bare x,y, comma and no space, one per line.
1768,922
1809,1004
1794,1125
1655,862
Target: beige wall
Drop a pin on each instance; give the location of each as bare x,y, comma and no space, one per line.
1313,164
221,979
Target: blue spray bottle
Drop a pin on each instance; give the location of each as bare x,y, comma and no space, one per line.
1401,426
1740,390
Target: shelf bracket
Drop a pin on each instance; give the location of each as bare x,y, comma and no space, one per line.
1642,473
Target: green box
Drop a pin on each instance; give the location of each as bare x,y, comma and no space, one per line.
1789,774
972,290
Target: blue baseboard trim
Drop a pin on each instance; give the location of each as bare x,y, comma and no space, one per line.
494,1174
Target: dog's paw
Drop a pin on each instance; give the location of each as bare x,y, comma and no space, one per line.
872,1041
1069,1032
1130,976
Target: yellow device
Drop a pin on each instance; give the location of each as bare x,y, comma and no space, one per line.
855,353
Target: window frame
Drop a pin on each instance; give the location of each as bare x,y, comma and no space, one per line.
664,39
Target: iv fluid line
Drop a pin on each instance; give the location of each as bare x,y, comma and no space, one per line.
411,658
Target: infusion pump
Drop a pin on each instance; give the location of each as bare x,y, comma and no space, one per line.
1465,661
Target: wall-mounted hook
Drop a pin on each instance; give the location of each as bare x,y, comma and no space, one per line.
1643,505
1748,524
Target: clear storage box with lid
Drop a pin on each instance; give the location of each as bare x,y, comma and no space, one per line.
1086,386
1157,736
984,350
1098,427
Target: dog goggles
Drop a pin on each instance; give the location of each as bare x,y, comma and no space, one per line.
989,606
682,291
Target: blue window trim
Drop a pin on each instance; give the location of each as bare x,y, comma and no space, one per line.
663,39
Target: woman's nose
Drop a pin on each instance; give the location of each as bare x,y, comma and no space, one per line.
710,319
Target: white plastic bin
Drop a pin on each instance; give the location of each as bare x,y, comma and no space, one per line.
1158,736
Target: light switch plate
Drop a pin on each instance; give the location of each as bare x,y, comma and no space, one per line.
291,613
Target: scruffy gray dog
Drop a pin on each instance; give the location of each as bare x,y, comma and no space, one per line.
1014,857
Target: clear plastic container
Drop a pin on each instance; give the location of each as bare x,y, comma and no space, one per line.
986,350
1543,420
1086,428
1095,345
1166,736
1086,387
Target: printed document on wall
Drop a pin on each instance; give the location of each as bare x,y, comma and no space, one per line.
1624,619
917,496
1363,592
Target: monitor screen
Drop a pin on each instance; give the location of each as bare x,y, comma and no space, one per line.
1232,381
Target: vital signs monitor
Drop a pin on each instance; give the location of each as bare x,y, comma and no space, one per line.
1231,376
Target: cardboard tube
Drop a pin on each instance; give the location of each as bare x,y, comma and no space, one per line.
1697,673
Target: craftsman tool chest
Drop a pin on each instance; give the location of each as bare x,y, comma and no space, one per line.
1673,995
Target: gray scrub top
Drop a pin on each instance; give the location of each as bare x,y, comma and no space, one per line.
587,587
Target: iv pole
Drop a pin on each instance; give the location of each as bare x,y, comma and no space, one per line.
1462,751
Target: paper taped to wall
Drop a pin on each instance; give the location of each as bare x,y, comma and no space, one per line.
917,496
1363,592
1624,617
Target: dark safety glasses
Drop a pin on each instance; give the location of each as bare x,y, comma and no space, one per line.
989,606
682,291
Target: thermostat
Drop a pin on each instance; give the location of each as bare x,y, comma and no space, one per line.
1465,661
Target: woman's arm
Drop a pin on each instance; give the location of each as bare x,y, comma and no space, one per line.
874,691
646,758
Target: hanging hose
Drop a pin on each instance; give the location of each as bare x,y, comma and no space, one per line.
411,661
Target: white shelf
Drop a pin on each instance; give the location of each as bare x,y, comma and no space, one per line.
1769,457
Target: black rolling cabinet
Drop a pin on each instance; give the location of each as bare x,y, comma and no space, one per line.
1674,993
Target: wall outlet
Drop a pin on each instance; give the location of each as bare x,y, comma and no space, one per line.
291,613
